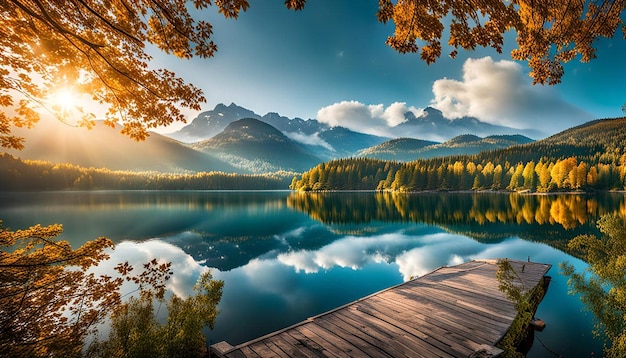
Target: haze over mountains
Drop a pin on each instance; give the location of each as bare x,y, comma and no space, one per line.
104,147
233,139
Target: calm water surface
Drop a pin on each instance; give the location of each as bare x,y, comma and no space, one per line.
286,256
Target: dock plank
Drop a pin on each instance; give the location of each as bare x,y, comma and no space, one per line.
370,346
380,335
411,342
438,328
449,312
430,320
341,346
416,339
277,351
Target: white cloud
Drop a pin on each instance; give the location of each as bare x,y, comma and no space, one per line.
495,92
312,139
372,119
501,93
394,114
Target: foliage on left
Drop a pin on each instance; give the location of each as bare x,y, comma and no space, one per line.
48,301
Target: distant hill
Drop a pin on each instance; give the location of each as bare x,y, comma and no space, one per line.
468,144
105,147
347,143
408,149
402,149
601,140
252,145
610,133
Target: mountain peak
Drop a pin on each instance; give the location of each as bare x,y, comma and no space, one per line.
431,115
220,106
430,111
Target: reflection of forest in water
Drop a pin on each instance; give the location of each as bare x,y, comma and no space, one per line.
554,219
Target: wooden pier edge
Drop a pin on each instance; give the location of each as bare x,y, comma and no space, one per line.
479,349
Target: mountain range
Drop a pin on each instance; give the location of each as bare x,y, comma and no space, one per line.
430,125
324,141
233,139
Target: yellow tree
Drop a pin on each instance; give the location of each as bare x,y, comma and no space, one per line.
543,176
592,177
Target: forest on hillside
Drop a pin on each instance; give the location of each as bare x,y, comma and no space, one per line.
30,175
584,158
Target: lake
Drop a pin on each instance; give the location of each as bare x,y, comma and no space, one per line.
286,256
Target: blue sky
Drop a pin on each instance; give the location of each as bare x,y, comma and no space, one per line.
330,62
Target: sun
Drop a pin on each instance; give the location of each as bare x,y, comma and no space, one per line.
71,107
64,100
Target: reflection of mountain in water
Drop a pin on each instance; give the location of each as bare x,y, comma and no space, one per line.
229,252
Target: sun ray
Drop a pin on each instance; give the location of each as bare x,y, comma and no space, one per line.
64,100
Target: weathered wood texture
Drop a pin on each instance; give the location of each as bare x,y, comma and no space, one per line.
450,312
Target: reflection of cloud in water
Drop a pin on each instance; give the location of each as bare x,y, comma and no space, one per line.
446,251
290,234
414,255
353,252
269,276
186,269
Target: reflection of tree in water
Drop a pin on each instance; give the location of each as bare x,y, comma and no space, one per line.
483,216
568,211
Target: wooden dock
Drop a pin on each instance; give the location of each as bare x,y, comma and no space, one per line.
453,311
